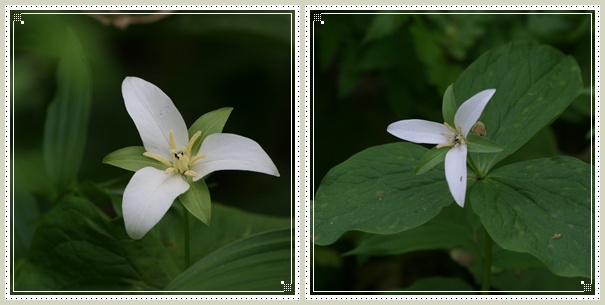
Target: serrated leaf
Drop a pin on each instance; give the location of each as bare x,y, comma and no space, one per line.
541,207
131,158
534,83
432,157
77,247
256,263
197,201
209,123
377,191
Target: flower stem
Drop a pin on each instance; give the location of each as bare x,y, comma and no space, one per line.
474,167
487,264
186,239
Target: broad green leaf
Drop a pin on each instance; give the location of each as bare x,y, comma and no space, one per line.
449,284
131,158
197,201
228,225
541,207
435,234
514,271
209,123
256,263
479,144
542,145
432,157
534,84
377,191
77,247
449,106
67,116
537,279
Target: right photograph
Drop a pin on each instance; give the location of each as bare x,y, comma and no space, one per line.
453,152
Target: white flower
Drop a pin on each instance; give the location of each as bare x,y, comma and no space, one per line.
426,132
150,192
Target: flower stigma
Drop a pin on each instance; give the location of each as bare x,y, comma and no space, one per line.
455,138
181,158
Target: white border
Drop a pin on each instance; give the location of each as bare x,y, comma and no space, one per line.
309,196
294,129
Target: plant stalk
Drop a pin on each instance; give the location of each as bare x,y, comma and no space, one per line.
186,237
487,264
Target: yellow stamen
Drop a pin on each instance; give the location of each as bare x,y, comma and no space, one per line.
157,158
172,143
190,173
170,170
192,141
449,127
448,144
194,159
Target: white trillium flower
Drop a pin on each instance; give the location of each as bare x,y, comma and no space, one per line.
444,135
151,191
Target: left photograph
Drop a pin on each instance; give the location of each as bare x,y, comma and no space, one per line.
153,152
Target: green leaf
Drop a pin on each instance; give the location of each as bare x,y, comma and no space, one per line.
256,263
449,106
209,123
228,225
534,84
432,157
377,191
197,201
479,144
67,116
131,158
435,234
541,207
77,247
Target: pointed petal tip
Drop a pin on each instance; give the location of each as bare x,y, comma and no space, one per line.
134,235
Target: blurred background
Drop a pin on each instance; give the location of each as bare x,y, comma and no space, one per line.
202,62
371,70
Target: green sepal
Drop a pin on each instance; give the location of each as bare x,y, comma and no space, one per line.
449,105
431,159
197,200
209,123
479,144
131,158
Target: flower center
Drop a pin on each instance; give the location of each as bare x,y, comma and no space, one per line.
455,138
181,158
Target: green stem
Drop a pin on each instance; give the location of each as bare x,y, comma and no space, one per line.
186,231
487,264
474,166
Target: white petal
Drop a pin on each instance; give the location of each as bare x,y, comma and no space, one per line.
147,197
419,131
455,173
155,115
469,112
226,151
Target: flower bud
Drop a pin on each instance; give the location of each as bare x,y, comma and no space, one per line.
479,129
